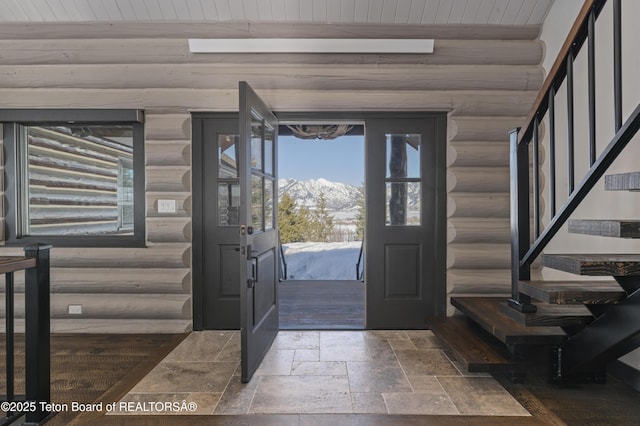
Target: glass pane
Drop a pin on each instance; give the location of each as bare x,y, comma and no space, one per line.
80,180
256,203
228,203
403,155
268,204
403,201
256,144
268,152
227,156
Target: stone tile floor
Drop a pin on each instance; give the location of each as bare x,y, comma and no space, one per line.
305,372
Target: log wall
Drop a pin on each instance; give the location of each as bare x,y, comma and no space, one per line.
486,77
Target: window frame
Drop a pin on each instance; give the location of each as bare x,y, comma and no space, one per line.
13,121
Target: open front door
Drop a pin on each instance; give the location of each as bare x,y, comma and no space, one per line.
258,229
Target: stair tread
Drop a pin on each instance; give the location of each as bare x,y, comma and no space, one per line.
485,311
606,228
622,182
551,315
573,292
475,354
594,264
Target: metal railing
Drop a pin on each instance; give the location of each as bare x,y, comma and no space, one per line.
523,252
283,261
31,406
359,271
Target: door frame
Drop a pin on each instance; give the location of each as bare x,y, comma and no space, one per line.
439,290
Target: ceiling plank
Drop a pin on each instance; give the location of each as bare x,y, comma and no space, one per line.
251,9
154,10
402,12
333,10
457,10
278,10
540,11
470,12
127,11
319,11
223,9
264,10
389,11
511,11
139,9
416,10
236,9
484,12
361,11
292,10
524,13
100,10
182,9
84,10
209,10
430,12
306,10
444,11
348,11
30,10
375,11
497,12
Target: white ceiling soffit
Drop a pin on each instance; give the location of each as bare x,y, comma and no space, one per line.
500,12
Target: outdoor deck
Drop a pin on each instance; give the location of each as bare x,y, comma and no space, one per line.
321,305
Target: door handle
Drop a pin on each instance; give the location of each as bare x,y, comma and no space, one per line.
252,277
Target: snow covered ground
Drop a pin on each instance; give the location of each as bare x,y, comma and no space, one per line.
321,261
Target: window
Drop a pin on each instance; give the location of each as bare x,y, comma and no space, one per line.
403,182
74,178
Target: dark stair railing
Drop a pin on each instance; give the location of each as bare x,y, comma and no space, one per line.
523,251
360,271
283,261
31,406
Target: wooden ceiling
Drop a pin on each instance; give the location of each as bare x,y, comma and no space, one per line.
498,12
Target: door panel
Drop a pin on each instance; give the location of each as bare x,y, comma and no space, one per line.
258,230
405,256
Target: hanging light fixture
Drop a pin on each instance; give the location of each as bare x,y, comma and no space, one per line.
320,131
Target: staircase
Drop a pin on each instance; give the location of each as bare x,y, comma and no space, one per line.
585,324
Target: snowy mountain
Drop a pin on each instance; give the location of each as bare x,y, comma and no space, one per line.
339,196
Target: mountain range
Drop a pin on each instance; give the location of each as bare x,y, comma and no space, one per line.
306,193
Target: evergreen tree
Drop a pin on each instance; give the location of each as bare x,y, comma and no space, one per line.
292,223
360,215
321,226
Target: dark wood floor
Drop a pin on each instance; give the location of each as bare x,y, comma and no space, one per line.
94,368
321,305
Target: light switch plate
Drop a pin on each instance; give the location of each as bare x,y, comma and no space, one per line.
166,206
74,309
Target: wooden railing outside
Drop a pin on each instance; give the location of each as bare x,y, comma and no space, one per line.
523,251
31,406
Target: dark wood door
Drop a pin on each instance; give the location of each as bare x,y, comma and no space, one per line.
405,230
216,222
258,270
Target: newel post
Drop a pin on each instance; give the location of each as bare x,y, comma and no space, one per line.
520,232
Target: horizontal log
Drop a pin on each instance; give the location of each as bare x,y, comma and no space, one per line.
168,229
479,230
475,280
182,199
478,179
167,153
479,256
480,129
284,76
170,255
116,280
461,204
168,178
176,51
113,326
464,102
203,29
122,306
478,154
167,127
